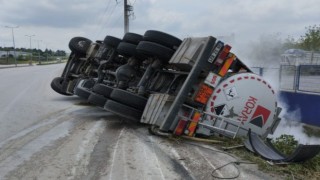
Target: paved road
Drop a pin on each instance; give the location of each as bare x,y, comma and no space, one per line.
44,135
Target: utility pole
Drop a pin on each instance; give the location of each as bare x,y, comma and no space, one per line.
127,9
14,45
47,51
39,50
30,63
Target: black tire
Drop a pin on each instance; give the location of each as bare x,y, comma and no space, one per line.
127,49
89,83
57,85
82,92
132,38
79,45
97,99
155,50
162,38
111,41
123,110
129,99
103,90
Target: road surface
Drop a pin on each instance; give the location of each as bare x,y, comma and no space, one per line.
45,135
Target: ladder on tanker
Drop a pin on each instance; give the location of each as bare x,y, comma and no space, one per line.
221,125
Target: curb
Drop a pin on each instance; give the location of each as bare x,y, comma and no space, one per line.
13,66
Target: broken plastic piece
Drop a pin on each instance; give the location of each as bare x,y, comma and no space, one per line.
268,152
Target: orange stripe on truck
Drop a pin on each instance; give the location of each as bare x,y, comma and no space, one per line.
180,127
193,124
223,71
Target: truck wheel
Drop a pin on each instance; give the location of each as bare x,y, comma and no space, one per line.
103,90
79,45
97,99
129,99
89,83
111,41
123,110
82,92
126,49
56,85
162,38
132,38
154,49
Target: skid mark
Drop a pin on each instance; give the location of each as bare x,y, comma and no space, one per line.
82,158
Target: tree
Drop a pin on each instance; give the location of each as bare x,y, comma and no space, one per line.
311,40
290,43
60,53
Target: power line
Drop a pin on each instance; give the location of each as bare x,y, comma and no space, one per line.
101,19
107,22
133,3
127,13
116,23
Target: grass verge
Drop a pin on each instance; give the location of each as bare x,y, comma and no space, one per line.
286,143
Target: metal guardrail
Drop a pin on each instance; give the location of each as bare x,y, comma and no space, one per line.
308,57
300,78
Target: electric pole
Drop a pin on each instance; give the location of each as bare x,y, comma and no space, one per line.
14,45
30,63
47,51
39,50
127,9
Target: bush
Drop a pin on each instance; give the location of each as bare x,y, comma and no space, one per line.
285,144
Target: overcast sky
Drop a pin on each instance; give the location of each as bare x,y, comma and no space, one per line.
55,22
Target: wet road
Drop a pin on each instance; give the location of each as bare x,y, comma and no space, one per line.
44,135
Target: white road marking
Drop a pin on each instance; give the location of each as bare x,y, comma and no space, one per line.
114,153
157,160
124,158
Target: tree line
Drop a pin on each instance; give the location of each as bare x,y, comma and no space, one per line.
46,52
269,48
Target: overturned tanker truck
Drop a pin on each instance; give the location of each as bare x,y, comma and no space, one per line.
194,87
191,87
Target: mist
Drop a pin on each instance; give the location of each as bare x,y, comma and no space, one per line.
290,124
265,53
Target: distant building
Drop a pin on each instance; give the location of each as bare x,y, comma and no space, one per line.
4,54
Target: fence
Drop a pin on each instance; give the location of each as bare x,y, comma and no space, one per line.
307,57
301,78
